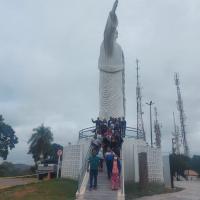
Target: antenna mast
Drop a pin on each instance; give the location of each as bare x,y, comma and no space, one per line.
182,115
140,124
176,137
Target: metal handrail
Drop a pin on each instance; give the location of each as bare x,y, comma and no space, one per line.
83,169
89,132
122,174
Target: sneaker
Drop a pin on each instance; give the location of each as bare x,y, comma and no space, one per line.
95,188
90,188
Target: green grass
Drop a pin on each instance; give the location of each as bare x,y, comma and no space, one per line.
133,190
61,189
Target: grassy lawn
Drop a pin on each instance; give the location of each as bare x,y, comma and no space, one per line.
62,189
133,190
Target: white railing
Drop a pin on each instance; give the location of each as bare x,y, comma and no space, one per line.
83,169
122,175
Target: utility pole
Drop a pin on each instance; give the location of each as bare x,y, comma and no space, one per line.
150,104
137,98
140,124
172,164
182,115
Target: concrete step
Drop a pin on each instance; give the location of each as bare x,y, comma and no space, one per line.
103,191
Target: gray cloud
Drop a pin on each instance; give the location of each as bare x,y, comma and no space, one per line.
48,64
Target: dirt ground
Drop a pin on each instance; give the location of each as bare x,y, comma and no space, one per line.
9,182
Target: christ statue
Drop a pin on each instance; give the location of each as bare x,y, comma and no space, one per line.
111,66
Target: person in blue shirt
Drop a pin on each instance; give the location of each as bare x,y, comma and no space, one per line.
93,162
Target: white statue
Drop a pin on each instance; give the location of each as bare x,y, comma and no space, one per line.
111,66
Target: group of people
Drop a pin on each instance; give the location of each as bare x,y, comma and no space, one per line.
113,124
106,146
113,165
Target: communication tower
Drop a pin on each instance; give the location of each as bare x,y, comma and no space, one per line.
176,137
182,115
140,124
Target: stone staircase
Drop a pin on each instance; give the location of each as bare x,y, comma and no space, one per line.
103,191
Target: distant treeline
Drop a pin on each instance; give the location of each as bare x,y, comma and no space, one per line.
9,169
180,163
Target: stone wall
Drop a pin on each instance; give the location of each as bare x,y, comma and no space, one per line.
73,158
71,161
130,156
131,148
155,165
166,171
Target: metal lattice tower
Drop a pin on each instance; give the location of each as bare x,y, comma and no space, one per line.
182,115
140,124
176,137
157,130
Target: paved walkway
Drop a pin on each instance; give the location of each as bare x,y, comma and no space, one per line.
103,192
191,192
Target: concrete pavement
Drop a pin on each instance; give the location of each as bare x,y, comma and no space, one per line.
191,192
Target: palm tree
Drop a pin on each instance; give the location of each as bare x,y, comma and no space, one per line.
40,142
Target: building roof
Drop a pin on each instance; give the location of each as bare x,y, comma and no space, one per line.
191,173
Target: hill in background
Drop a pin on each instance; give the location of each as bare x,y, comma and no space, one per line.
10,169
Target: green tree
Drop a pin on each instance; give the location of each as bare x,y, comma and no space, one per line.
178,164
53,151
8,139
195,163
7,169
10,169
40,142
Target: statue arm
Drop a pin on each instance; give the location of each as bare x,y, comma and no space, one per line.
112,18
111,25
110,28
114,7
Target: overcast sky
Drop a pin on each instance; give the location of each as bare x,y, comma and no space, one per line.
49,64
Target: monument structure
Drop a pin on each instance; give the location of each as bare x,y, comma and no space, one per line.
111,104
112,68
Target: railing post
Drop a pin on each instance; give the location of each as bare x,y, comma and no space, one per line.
122,174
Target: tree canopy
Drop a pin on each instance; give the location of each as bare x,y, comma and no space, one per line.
195,163
53,151
180,163
40,142
8,139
